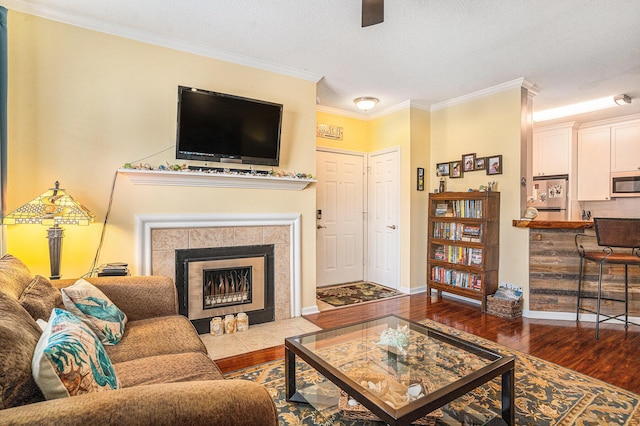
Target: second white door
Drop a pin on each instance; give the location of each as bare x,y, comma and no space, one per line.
339,222
384,223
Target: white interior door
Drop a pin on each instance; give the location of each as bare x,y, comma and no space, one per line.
339,220
384,226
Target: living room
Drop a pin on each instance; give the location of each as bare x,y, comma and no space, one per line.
83,103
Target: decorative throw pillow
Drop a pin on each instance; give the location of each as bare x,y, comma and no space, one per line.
40,297
14,276
96,310
19,336
69,359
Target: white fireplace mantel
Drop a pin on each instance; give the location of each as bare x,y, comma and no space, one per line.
219,180
145,223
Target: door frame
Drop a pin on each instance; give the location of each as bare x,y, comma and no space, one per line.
398,150
365,201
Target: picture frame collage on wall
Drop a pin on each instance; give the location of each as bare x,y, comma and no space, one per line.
492,165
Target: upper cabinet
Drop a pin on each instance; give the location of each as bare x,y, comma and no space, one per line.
625,146
594,151
552,149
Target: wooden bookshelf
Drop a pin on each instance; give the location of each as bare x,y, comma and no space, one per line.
463,239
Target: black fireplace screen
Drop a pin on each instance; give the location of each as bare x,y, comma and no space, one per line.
226,287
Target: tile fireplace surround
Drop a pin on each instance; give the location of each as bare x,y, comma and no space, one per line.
158,236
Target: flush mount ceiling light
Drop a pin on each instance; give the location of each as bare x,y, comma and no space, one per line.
365,103
622,99
582,107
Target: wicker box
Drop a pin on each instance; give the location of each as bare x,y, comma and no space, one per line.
504,308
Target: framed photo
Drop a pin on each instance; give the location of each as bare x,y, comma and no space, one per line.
443,169
455,169
494,165
481,163
468,162
420,179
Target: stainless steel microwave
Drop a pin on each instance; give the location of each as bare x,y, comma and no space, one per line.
625,184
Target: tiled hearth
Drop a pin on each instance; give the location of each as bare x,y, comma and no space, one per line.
159,237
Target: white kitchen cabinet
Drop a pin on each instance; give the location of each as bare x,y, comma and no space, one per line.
625,147
594,152
552,148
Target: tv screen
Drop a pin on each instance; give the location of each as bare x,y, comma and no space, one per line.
225,128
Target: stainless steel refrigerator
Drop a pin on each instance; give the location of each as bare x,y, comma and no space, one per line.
549,197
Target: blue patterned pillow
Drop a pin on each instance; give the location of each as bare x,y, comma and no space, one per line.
69,359
88,303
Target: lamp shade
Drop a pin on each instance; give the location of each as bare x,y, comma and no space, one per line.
54,207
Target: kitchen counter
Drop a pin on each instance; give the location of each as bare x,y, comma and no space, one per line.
553,224
554,266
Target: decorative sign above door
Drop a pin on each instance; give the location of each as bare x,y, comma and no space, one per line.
329,132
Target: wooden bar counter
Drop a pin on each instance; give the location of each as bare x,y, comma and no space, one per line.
554,265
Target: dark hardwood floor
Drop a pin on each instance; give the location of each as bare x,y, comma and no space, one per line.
613,358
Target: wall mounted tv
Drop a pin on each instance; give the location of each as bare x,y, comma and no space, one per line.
225,128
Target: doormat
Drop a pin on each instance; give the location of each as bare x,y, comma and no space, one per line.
350,294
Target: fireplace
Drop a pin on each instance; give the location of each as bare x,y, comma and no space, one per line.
218,281
158,236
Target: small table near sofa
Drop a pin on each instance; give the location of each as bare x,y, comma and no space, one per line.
448,366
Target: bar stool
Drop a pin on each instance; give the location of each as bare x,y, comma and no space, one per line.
619,240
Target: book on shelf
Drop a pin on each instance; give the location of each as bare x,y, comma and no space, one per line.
441,209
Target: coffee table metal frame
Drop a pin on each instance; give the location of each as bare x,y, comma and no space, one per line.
500,365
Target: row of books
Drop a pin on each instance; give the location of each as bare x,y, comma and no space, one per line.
460,208
457,231
460,255
456,278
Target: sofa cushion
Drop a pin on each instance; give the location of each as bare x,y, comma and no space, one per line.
14,276
69,359
95,309
19,335
156,336
167,369
39,298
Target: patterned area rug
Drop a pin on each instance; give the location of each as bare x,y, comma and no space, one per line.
546,394
349,294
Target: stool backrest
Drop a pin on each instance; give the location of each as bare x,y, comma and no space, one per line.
617,232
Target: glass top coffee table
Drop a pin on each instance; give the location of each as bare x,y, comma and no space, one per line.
398,370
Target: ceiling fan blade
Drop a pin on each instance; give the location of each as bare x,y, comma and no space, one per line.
372,12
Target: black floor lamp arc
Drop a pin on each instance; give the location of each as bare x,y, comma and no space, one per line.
53,208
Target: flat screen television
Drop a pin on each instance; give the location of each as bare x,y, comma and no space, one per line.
218,127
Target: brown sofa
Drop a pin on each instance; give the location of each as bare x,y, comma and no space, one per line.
166,375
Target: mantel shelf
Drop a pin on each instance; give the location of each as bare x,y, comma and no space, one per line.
215,180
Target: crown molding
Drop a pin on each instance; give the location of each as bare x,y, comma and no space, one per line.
59,15
567,124
421,105
341,112
610,121
518,82
412,103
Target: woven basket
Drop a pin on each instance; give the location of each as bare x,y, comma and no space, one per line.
504,308
360,412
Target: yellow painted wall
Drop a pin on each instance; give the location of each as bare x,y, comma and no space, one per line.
488,126
355,132
420,143
83,103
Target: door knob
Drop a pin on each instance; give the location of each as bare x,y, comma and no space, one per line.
391,226
320,226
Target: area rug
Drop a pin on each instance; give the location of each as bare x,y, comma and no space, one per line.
349,294
546,394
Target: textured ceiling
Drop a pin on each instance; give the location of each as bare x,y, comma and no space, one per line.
427,51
